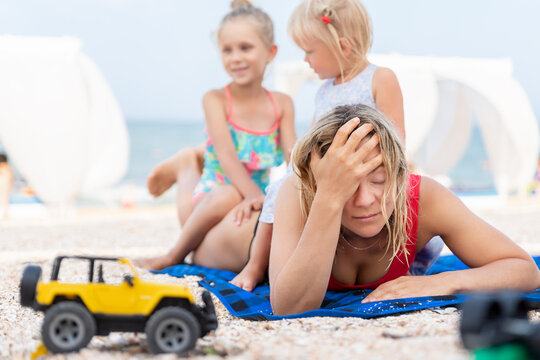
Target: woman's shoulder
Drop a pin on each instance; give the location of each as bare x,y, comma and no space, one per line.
287,202
428,185
433,195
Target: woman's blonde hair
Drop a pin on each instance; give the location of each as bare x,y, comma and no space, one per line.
346,19
244,9
320,137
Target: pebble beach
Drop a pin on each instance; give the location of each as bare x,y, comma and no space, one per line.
137,232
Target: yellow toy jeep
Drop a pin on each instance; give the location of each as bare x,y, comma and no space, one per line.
74,313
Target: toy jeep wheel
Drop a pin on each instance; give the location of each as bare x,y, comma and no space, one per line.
172,330
29,280
67,327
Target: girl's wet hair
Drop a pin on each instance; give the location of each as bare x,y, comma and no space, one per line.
3,158
244,9
320,137
346,19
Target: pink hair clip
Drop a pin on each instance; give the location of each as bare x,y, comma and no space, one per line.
325,19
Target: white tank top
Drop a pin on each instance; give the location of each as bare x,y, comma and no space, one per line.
358,90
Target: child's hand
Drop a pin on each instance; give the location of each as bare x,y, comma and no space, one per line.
242,211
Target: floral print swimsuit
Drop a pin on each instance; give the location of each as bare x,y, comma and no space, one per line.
258,151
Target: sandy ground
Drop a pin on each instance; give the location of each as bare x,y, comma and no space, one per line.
427,334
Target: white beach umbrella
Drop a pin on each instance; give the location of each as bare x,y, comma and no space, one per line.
59,121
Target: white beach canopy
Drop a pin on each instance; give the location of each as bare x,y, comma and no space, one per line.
59,120
442,97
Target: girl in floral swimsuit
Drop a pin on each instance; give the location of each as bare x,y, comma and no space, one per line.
249,130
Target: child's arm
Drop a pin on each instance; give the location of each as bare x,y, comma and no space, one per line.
286,128
259,253
496,262
388,98
216,125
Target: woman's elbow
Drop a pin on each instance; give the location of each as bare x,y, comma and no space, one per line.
279,305
291,309
530,275
535,284
287,306
280,310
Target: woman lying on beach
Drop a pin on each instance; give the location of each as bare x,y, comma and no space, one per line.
353,218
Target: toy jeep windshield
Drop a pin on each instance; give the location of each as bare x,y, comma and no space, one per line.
74,313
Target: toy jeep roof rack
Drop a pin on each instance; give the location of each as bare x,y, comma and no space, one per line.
91,259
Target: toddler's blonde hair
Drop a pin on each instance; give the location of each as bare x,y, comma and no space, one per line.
244,9
318,140
349,19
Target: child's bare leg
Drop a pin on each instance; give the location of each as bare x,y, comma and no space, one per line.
254,271
226,246
211,209
186,183
165,174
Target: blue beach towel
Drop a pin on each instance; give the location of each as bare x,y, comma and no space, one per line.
256,305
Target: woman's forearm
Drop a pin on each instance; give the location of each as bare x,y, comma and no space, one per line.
513,273
302,282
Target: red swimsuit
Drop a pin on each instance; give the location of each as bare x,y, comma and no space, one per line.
399,265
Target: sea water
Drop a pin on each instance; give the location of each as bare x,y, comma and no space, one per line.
152,142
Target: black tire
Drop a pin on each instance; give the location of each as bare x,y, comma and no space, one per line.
67,327
477,313
482,316
513,305
172,330
29,280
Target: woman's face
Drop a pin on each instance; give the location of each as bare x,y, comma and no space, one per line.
362,213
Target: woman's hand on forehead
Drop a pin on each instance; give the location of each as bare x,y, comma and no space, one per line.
369,147
358,141
347,160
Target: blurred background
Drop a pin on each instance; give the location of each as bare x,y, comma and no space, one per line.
160,57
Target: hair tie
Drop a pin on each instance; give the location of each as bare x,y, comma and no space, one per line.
325,19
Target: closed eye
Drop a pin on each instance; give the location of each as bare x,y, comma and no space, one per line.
378,176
